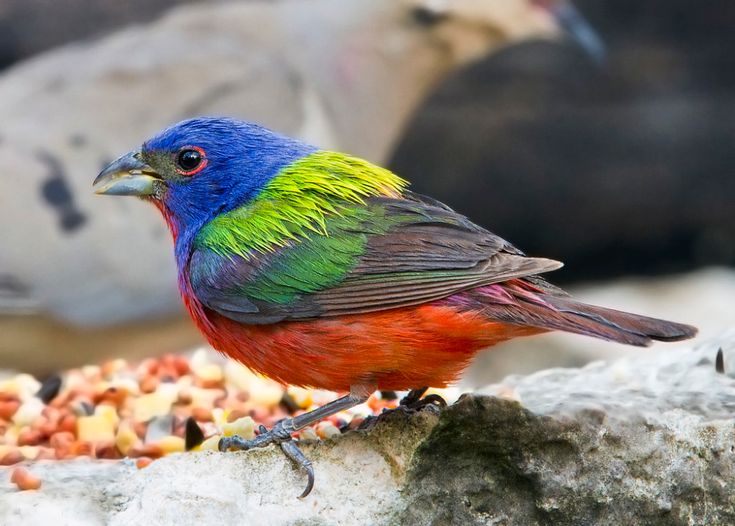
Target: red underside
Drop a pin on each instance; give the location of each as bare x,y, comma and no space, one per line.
398,349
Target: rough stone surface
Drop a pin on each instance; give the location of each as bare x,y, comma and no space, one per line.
647,440
359,481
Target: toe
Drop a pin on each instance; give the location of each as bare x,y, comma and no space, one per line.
292,451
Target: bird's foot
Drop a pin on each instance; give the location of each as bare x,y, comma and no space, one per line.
410,404
413,402
279,434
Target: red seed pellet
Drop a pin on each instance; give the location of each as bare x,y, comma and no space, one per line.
106,450
12,457
8,409
182,365
201,414
80,448
146,450
29,437
24,479
143,462
68,423
149,384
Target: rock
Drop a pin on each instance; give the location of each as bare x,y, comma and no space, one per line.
613,170
27,28
647,440
79,273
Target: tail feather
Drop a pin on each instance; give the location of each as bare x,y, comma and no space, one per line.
528,304
619,326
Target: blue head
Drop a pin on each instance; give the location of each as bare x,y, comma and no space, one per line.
201,167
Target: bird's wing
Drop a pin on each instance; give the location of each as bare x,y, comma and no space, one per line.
383,254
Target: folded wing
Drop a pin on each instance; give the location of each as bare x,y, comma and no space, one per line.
385,254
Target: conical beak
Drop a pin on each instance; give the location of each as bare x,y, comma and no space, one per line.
579,30
128,175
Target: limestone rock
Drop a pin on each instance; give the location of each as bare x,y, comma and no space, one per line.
648,440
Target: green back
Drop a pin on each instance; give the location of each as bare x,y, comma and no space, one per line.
297,203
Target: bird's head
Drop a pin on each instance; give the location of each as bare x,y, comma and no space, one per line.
200,168
471,28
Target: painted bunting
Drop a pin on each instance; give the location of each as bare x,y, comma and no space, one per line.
326,70
321,269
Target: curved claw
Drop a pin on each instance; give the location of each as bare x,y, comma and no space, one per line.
280,434
292,451
309,483
433,399
413,401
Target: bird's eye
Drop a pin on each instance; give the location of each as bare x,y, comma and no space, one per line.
190,160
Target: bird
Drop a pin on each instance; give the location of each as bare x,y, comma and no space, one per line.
342,75
321,269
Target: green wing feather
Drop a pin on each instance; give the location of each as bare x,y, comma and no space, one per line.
367,249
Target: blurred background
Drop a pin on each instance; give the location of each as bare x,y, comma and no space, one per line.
618,162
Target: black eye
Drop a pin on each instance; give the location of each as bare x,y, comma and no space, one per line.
427,16
190,160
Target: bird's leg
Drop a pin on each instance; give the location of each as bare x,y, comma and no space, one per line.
281,432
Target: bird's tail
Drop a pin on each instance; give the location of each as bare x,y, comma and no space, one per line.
546,308
615,325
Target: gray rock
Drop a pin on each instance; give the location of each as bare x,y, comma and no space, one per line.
626,167
648,440
28,27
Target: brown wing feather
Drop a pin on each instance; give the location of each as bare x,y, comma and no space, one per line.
431,253
355,296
